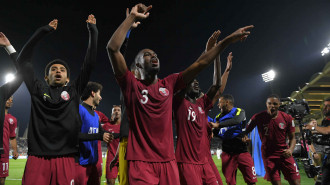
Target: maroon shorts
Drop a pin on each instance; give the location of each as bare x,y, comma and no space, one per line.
145,173
286,165
49,170
192,174
242,161
215,170
4,168
87,174
113,173
99,165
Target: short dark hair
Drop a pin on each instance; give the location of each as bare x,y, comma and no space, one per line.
274,96
90,87
228,97
327,99
57,61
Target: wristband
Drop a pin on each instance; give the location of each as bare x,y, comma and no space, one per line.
10,49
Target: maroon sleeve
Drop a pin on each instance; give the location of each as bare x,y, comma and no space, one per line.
12,128
125,81
251,124
290,122
208,105
103,118
177,81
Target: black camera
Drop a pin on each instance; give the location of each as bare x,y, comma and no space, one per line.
296,108
317,138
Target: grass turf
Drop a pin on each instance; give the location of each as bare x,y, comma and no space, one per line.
16,169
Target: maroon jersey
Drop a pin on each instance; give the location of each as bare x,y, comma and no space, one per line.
272,132
191,126
149,109
9,131
113,145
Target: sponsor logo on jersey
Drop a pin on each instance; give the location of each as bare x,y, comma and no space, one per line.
65,96
281,125
45,96
11,121
163,91
200,110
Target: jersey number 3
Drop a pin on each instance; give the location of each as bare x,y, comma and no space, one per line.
144,99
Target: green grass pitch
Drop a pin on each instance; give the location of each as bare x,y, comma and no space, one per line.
16,169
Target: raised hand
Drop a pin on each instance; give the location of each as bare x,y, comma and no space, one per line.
4,40
240,34
91,19
140,11
229,61
212,40
135,24
53,23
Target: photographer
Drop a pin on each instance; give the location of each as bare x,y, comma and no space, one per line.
325,130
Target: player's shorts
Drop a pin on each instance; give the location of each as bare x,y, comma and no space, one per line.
287,166
87,174
242,161
196,174
113,173
215,170
49,170
99,165
123,164
150,173
4,168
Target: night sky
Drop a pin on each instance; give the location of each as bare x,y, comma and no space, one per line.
288,37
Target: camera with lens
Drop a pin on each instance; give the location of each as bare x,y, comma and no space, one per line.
296,108
319,139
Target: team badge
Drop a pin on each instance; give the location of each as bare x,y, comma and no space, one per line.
65,96
200,110
281,125
163,91
11,121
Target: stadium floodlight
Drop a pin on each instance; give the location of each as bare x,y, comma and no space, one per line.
9,77
269,76
326,50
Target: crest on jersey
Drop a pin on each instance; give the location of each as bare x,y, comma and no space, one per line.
281,125
163,91
11,121
65,96
200,110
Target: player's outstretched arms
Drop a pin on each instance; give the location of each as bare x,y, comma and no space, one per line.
207,58
119,67
217,67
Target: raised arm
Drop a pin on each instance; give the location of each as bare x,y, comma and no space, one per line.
217,67
9,88
27,51
90,58
117,60
207,58
224,77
